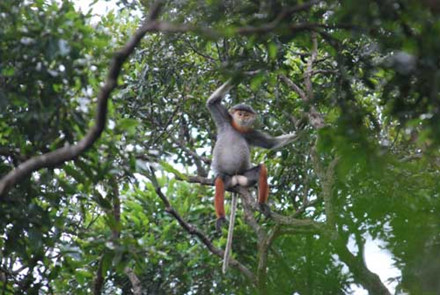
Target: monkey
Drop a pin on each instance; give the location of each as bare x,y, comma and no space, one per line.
231,156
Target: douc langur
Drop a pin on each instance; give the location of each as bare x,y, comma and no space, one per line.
231,160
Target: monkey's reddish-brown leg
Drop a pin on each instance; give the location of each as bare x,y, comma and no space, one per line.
219,197
263,188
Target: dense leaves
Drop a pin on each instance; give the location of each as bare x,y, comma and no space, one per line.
357,81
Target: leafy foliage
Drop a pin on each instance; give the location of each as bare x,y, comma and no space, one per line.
369,72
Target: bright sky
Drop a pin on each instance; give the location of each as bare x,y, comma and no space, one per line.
99,8
378,260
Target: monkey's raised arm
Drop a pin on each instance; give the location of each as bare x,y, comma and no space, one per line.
258,138
218,112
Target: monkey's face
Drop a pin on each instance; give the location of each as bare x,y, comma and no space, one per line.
243,118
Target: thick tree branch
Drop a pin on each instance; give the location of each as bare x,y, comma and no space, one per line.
263,252
70,152
363,275
249,206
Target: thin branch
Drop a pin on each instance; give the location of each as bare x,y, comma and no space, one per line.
315,118
305,225
192,230
294,87
164,27
70,152
322,71
327,192
288,11
201,171
134,280
195,179
309,70
116,233
99,280
205,56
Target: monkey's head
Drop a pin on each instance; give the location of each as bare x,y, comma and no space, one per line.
243,115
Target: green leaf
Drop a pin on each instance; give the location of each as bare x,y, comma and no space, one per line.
128,125
169,168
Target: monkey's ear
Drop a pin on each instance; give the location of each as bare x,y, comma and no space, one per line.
231,111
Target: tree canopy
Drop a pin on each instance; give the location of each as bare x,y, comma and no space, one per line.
106,144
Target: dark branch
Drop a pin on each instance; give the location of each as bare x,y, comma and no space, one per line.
99,280
368,279
70,152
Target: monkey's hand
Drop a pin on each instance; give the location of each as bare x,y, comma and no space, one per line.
285,139
220,92
265,209
219,223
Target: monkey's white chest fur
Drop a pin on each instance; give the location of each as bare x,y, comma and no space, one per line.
231,154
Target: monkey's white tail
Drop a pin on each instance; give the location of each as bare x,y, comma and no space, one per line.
230,233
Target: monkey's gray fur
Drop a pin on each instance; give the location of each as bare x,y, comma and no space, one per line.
232,148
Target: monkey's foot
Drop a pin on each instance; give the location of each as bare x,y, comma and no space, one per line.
219,223
265,209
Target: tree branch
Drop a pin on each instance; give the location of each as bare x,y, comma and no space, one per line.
99,280
134,280
249,206
263,252
294,87
309,70
192,230
70,152
315,118
363,275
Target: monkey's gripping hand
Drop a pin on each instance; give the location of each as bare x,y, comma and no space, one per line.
218,94
220,223
284,140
